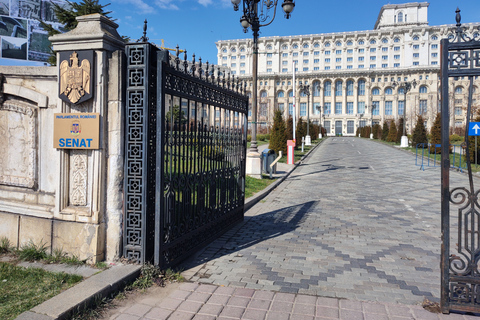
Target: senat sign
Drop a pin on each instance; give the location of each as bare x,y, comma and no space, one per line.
76,130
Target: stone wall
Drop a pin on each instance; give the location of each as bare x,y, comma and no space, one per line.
64,198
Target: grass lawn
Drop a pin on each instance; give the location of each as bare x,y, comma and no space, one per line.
23,288
253,185
455,159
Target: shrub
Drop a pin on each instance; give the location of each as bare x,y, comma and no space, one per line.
419,133
249,138
213,152
5,245
399,130
261,137
33,252
278,141
392,132
289,124
436,134
456,139
378,130
300,131
385,131
375,130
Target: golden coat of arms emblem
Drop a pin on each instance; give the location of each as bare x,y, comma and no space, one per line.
75,78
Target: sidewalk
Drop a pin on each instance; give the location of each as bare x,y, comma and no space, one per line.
207,302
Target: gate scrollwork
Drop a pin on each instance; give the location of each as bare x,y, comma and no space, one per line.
460,288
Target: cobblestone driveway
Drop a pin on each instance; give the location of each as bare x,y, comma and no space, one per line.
356,220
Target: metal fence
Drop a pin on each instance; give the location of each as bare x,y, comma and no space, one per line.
429,155
185,154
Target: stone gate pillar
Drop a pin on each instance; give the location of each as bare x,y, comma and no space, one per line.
88,210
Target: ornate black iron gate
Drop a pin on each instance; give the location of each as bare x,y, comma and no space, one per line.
460,271
185,152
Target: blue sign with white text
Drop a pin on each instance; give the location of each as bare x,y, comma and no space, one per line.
474,129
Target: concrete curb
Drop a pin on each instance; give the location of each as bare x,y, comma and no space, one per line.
262,194
83,294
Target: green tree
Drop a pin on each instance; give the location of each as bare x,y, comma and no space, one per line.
392,132
176,115
66,16
436,135
300,131
375,131
419,133
399,131
278,134
378,130
290,128
385,131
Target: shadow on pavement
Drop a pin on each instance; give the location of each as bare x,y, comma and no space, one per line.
253,230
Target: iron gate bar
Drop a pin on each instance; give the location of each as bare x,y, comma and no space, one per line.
460,285
139,182
184,181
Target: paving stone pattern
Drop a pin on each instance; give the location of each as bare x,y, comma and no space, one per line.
209,302
357,220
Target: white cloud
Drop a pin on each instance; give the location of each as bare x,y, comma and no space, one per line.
166,4
205,2
138,6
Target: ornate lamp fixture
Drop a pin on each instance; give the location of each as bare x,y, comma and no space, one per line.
256,14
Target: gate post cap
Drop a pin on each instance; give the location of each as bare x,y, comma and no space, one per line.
93,32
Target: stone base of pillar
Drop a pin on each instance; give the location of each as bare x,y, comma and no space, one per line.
254,165
308,141
371,135
404,142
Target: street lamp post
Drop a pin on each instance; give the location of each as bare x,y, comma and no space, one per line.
319,109
255,18
372,107
323,125
407,86
306,90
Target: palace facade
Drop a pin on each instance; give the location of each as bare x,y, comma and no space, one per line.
355,78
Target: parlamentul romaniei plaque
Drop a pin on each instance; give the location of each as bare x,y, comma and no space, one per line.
76,130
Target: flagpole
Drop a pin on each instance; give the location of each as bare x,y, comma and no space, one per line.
294,101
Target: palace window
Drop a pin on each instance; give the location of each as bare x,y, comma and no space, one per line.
303,109
338,88
361,107
349,107
401,107
349,88
327,89
376,108
361,87
388,108
327,109
338,108
423,107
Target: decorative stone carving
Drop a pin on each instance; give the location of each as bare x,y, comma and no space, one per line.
18,144
78,178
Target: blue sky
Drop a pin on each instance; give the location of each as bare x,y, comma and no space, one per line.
196,25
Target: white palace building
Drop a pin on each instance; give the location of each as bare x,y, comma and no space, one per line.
352,75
